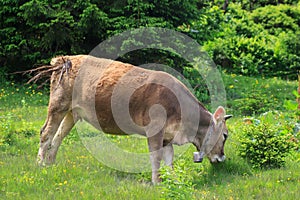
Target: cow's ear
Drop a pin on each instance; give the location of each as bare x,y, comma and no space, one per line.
219,114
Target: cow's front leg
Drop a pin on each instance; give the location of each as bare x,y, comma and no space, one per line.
168,154
155,144
47,134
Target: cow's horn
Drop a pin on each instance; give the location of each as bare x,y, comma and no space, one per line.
227,117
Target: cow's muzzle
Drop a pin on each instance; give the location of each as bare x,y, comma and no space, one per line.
217,159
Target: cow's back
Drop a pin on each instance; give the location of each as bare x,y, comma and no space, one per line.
111,94
126,94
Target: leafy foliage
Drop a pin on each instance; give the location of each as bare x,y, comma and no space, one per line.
247,37
177,183
36,30
258,42
266,145
253,4
277,19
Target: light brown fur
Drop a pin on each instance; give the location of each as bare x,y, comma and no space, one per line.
94,87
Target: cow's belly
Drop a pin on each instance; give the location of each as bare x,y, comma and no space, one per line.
102,119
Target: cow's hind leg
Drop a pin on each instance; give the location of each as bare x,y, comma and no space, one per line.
155,144
63,130
47,133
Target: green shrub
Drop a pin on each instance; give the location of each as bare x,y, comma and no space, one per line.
16,135
6,130
9,139
264,145
259,43
250,5
277,19
208,26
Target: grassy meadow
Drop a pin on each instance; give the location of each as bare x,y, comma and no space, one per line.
78,175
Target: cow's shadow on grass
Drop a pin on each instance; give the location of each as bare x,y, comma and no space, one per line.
222,173
209,175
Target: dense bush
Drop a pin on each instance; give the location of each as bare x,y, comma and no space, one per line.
242,55
262,42
277,19
32,32
247,37
264,147
253,4
14,140
266,144
208,26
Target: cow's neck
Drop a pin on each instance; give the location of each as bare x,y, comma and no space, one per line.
194,131
205,122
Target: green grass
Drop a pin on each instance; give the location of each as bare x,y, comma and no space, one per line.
78,175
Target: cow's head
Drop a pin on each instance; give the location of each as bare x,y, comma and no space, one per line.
219,134
214,141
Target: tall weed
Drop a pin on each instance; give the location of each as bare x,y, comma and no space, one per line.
177,183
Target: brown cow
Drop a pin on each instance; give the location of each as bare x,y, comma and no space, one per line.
158,107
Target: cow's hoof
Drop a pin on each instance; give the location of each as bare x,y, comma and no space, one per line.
156,180
40,163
